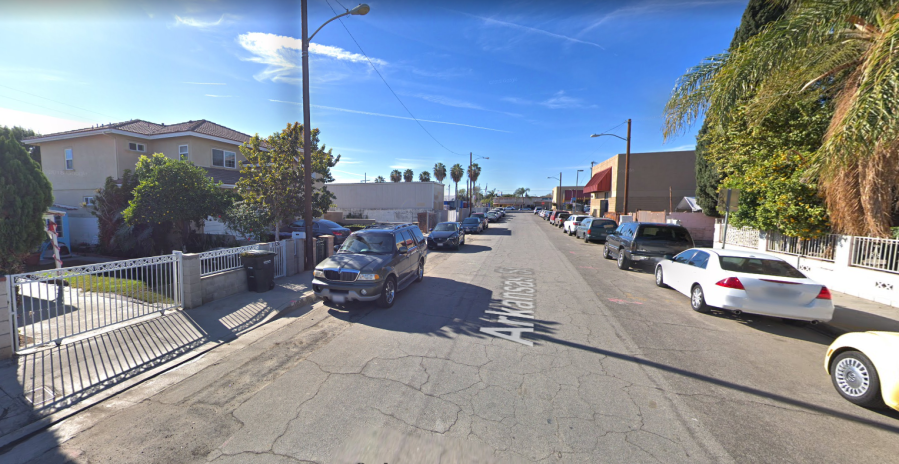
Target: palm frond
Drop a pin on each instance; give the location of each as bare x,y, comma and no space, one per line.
690,98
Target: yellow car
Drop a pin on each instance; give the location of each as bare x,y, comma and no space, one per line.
864,367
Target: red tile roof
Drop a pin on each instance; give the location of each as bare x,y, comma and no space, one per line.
139,126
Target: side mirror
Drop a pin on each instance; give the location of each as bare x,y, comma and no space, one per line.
431,229
403,250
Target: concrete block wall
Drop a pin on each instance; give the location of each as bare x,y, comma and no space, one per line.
222,285
6,332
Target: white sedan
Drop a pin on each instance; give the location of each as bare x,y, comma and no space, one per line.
864,368
571,223
742,281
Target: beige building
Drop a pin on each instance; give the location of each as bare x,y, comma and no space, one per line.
564,196
78,162
658,181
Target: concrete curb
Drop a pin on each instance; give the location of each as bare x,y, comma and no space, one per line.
10,440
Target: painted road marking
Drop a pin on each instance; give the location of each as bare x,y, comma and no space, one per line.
518,302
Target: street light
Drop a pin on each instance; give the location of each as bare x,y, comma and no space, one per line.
627,159
361,9
560,187
468,182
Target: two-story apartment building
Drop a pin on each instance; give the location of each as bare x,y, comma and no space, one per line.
78,162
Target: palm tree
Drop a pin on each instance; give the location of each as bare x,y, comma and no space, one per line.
408,175
456,172
474,171
424,176
834,50
380,179
396,175
439,172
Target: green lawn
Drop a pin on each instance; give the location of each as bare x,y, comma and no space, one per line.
136,289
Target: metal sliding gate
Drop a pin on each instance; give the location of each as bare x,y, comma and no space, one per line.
48,306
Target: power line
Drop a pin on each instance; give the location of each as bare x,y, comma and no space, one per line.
55,101
388,85
40,106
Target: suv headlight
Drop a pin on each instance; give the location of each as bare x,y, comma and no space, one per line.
368,277
319,273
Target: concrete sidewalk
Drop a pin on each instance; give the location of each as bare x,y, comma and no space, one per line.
39,388
853,314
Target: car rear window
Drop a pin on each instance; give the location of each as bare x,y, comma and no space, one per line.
664,233
770,267
471,221
329,224
603,224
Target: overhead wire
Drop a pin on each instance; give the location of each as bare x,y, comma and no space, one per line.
56,101
385,82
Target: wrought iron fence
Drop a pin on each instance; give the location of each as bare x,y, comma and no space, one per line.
215,261
48,306
822,248
875,253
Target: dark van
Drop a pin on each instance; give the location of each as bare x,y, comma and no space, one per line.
635,242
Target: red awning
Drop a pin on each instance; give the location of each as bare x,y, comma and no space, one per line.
600,182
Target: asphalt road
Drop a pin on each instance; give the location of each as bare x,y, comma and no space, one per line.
602,366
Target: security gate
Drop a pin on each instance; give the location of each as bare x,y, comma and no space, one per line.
321,250
48,306
280,251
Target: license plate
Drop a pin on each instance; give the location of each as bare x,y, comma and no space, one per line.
338,298
439,244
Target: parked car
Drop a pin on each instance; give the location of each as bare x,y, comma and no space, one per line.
472,226
538,209
492,217
864,369
509,208
595,229
559,218
571,223
319,227
645,241
742,281
372,265
482,217
446,235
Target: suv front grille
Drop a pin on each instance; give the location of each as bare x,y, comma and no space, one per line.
341,276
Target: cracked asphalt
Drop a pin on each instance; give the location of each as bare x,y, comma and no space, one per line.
618,371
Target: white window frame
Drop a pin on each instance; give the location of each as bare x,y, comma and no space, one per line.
69,156
88,201
186,155
138,147
225,155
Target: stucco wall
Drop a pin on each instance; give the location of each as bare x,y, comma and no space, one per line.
387,215
701,227
653,173
200,149
387,195
92,161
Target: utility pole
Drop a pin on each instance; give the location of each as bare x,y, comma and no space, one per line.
627,164
307,146
470,204
561,195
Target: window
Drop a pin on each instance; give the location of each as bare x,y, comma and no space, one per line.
183,152
770,267
418,235
225,159
133,146
400,240
684,257
70,160
410,243
88,201
700,260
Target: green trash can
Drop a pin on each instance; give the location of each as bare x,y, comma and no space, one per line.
260,267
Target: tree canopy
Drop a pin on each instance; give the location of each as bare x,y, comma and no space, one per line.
439,172
408,175
424,176
396,175
380,179
25,195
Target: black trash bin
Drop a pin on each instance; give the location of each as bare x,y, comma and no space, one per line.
260,267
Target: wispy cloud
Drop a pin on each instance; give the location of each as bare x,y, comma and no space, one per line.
218,96
345,160
281,55
691,146
651,7
447,101
557,101
392,116
442,74
204,83
192,22
534,30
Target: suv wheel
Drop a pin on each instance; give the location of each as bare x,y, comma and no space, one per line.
605,252
623,263
420,273
388,293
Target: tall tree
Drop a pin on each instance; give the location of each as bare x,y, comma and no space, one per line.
424,176
757,15
175,192
25,195
109,204
19,133
380,180
439,172
834,50
456,173
396,175
408,175
272,178
474,171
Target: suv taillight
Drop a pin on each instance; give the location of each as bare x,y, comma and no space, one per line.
731,282
824,294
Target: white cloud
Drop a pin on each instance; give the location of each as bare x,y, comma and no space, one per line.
441,100
390,116
534,30
281,55
557,101
204,83
218,96
40,123
652,7
224,19
691,146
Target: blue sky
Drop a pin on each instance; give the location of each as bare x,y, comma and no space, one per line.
523,83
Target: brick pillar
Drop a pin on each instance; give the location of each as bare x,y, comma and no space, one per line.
6,332
193,287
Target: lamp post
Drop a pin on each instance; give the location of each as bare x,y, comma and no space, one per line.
560,189
361,9
577,178
627,159
469,183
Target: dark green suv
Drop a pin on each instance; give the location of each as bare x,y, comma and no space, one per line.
372,265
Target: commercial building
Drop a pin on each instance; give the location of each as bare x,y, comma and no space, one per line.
657,182
387,201
565,196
